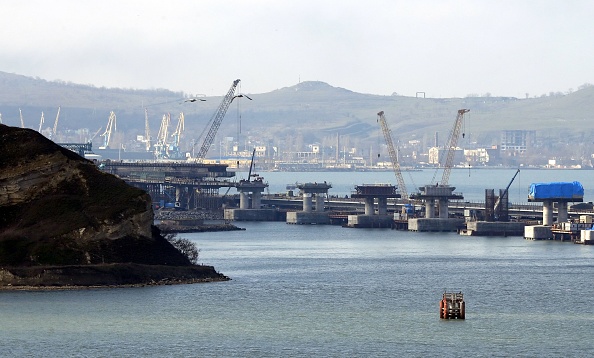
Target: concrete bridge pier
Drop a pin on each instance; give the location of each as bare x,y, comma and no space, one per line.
562,212
307,202
319,203
547,212
429,208
369,206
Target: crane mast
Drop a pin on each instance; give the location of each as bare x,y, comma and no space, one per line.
452,144
393,156
41,122
161,145
147,131
56,122
179,129
216,121
111,125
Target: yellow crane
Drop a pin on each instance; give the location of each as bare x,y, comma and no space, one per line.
393,156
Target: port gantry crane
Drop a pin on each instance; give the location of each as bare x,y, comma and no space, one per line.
179,129
161,144
393,156
215,121
111,126
451,149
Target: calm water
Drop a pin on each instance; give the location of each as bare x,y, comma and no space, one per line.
327,291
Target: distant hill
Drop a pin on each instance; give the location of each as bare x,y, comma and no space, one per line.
305,113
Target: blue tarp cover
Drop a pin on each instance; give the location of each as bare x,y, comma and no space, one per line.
556,190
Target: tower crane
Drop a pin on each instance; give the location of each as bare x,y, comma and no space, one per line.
215,121
111,126
56,122
161,144
147,131
41,122
393,156
451,149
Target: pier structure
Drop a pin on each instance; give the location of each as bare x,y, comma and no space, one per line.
175,185
548,194
432,195
309,213
371,192
250,202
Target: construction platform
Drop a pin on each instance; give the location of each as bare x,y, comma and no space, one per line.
370,221
489,228
251,214
307,218
435,224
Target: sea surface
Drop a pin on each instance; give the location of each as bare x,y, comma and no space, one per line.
328,291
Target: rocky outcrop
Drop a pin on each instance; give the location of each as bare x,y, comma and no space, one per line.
58,209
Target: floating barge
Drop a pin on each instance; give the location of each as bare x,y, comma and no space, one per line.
452,306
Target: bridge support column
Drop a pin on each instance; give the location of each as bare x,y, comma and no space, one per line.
547,213
244,200
319,203
382,206
307,202
256,200
429,208
369,210
561,211
443,208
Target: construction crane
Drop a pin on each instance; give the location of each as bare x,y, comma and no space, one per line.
22,121
94,135
0,118
147,131
451,148
111,126
215,121
56,122
393,156
41,122
161,144
498,202
179,129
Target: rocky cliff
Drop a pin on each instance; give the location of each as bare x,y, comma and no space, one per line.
59,210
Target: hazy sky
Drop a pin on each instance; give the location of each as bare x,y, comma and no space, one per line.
441,47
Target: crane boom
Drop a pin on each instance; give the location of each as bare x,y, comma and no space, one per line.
41,122
393,156
452,144
147,131
56,122
216,121
111,126
498,202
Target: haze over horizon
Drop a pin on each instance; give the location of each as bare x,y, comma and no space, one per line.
443,48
